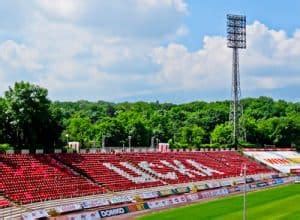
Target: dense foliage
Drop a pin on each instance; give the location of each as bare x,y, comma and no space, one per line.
30,120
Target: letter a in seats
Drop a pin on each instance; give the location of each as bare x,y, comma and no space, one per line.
179,167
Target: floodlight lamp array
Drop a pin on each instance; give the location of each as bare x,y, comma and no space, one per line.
236,31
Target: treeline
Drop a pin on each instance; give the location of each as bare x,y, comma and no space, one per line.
30,120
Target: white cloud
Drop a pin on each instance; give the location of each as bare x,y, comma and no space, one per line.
204,69
270,62
179,5
67,9
18,56
112,50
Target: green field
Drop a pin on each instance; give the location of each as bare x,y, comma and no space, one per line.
277,203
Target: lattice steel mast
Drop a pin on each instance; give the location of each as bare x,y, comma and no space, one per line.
236,39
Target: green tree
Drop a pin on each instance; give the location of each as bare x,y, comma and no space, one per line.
191,137
4,123
29,117
79,129
250,129
222,134
113,131
287,131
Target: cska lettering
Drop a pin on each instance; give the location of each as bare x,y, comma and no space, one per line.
141,178
178,166
150,173
204,169
149,167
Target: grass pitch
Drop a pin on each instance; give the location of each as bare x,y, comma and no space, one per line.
277,203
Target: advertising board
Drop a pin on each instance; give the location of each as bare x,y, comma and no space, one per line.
113,212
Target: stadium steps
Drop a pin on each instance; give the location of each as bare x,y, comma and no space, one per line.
12,212
77,172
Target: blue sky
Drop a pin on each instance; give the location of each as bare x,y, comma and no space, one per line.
166,50
207,17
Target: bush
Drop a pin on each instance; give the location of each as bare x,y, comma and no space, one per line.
5,147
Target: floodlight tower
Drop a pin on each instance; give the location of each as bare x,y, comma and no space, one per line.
236,39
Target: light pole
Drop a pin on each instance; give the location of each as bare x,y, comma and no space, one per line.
152,141
103,142
67,136
129,142
236,39
244,173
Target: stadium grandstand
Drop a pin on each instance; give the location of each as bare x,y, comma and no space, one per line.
127,53
283,160
64,185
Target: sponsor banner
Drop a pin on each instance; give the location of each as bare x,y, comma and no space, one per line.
192,197
166,192
241,187
200,195
68,208
202,187
249,180
233,189
81,216
239,181
226,183
113,212
120,199
214,193
257,178
166,202
289,179
94,203
213,185
146,206
181,190
275,176
178,200
268,176
41,213
278,181
261,184
149,195
158,203
270,182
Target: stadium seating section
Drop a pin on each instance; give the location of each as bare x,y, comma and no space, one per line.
120,171
281,160
92,165
30,178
